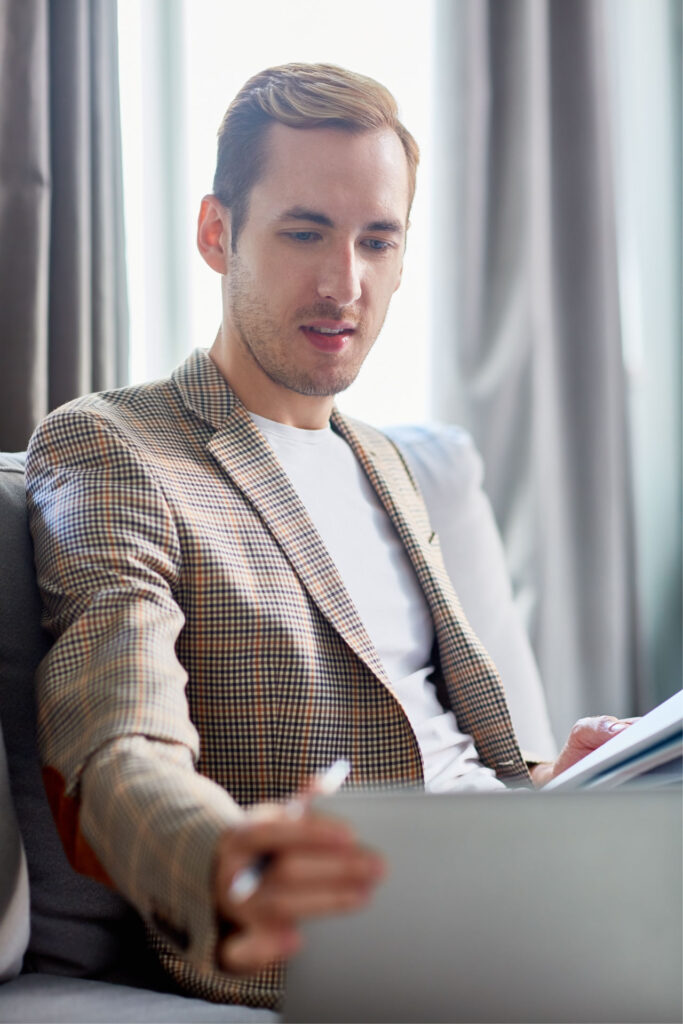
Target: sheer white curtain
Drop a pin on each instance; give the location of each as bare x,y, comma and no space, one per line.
528,331
534,367
646,46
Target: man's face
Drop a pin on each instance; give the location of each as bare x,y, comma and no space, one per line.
316,262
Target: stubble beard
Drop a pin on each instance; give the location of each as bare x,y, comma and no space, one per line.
260,336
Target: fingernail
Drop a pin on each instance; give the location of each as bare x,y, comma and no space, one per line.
618,726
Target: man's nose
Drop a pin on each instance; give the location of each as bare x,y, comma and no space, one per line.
339,277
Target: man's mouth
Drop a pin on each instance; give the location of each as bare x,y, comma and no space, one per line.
328,337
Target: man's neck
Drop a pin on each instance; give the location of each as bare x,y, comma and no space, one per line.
270,400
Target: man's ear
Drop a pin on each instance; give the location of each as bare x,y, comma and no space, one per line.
213,233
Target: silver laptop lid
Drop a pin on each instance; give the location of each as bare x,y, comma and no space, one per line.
511,907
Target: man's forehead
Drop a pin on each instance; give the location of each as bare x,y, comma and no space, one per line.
322,170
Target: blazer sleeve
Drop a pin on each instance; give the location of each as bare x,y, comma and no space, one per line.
118,746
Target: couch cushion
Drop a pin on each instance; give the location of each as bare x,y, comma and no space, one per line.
78,927
41,999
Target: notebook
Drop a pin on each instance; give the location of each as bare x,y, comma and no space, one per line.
648,753
507,907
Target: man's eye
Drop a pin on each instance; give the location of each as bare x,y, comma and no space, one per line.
378,244
303,236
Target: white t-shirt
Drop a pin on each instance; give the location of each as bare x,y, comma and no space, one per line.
381,581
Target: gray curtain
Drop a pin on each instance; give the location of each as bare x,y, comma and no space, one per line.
528,349
63,306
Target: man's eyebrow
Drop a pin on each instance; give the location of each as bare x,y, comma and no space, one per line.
390,226
301,213
314,217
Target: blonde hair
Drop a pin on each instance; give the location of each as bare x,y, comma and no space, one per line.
299,96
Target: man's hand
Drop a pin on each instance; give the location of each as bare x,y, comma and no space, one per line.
586,735
314,867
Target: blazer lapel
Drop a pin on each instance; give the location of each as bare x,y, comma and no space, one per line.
242,452
393,482
246,456
472,680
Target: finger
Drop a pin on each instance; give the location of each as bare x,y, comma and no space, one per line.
622,723
601,728
589,733
307,885
255,841
248,951
256,836
610,726
283,904
348,867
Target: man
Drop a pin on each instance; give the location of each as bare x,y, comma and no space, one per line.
244,585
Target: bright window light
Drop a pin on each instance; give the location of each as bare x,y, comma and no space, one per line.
182,61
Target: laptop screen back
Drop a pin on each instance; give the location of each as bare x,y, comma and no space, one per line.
511,907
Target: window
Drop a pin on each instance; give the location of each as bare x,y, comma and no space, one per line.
181,64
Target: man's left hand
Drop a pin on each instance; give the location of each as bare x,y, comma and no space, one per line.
586,735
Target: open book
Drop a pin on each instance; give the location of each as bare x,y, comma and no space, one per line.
648,753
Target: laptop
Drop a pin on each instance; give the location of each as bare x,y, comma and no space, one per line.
508,907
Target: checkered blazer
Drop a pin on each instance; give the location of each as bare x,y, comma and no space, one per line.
208,655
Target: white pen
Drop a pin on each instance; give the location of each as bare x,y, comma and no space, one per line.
246,882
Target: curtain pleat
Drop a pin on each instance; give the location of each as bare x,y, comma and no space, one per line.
528,335
63,304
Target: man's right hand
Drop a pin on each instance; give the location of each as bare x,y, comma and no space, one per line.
315,867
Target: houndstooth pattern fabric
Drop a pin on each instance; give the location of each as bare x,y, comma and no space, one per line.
472,680
208,654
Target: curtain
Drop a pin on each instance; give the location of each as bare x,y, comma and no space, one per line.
527,323
647,50
63,306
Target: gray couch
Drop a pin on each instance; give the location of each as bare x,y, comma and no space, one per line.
71,949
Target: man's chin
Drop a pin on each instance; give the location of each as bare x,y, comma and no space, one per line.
326,387
328,391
